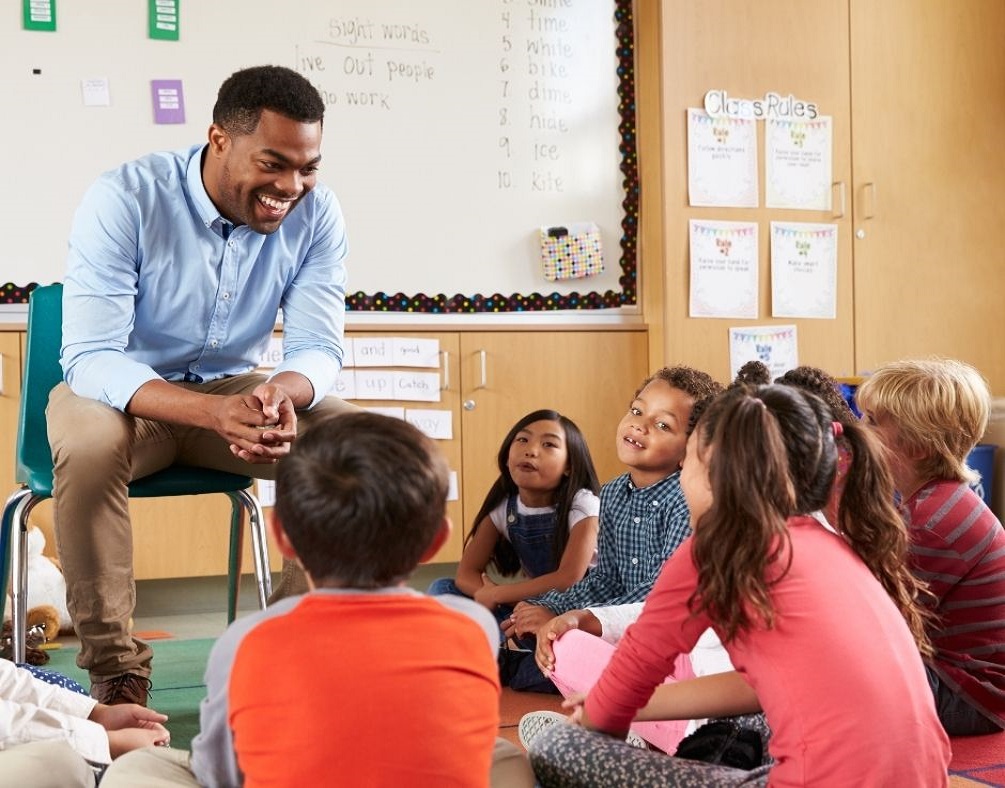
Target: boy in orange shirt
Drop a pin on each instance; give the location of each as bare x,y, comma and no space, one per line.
362,680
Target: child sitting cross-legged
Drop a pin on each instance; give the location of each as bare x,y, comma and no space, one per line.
539,518
362,680
929,414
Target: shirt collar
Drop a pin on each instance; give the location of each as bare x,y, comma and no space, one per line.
654,487
208,212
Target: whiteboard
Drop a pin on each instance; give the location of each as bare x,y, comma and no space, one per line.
454,131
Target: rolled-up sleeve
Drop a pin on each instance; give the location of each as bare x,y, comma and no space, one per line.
314,305
33,710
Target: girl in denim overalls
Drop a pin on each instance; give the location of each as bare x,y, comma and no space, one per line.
538,519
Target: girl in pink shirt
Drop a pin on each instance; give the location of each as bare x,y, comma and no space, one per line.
823,628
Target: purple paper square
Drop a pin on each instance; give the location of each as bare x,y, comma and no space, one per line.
169,102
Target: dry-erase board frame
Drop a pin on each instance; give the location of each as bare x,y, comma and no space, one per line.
442,303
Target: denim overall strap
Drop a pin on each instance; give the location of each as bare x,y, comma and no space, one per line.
531,536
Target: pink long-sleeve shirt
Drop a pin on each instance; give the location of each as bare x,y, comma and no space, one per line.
839,677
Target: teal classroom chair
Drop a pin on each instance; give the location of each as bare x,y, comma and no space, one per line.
34,472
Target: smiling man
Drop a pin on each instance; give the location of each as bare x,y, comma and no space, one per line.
178,266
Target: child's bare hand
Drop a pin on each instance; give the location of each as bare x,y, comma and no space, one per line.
528,619
125,715
486,595
125,740
544,654
574,705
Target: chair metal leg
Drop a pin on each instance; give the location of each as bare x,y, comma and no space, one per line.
259,547
7,539
236,555
23,502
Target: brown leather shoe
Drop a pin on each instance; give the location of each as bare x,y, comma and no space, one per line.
127,688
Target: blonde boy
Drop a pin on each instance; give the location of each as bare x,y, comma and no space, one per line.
929,415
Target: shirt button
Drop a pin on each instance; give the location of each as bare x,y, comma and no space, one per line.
637,519
213,343
635,561
226,296
230,244
656,503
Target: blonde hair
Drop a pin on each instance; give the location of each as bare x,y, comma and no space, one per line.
939,407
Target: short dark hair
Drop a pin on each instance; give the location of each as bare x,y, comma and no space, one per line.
700,386
361,497
244,94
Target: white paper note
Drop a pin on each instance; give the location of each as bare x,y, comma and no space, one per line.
437,424
409,352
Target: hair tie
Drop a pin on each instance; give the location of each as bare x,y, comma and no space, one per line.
838,428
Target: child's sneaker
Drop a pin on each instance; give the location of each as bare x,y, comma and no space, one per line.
532,723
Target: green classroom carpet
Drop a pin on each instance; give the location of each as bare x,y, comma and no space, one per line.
178,686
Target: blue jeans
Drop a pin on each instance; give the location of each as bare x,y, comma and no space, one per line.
957,716
446,585
517,668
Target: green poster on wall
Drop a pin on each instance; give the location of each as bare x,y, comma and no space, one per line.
163,15
39,14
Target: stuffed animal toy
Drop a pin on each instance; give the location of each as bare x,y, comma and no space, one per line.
46,585
43,626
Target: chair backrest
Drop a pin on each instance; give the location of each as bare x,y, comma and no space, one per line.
41,374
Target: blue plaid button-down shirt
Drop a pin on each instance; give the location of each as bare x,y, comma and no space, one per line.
639,529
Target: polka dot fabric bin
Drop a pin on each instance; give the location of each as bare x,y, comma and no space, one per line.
571,252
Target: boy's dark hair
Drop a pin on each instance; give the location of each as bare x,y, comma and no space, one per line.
244,94
699,385
361,497
816,381
581,475
753,373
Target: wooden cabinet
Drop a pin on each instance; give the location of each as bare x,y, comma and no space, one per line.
748,48
928,106
914,88
10,401
492,378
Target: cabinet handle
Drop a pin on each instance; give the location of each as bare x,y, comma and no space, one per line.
841,200
483,356
446,370
870,190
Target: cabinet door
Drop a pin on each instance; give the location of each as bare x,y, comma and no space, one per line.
928,80
589,376
10,403
449,401
748,48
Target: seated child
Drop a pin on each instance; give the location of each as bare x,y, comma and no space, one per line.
52,736
930,415
539,517
362,680
643,514
823,628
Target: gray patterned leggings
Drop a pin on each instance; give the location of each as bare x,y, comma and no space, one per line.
568,756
